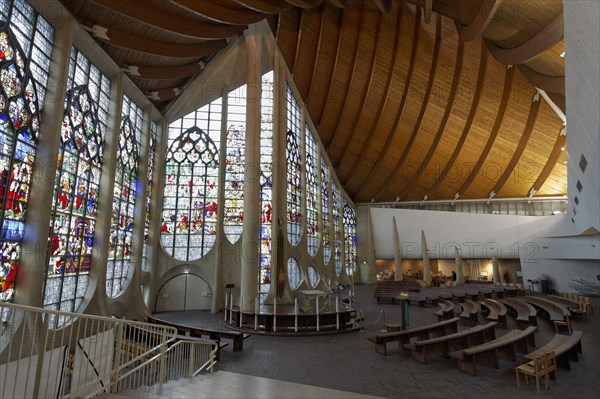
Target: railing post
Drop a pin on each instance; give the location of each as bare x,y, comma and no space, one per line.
163,350
114,373
41,348
192,360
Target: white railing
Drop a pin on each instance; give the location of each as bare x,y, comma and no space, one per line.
46,353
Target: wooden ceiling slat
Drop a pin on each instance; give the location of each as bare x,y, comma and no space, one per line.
167,72
384,5
466,129
506,90
386,96
545,39
442,127
155,17
356,122
305,3
535,107
298,40
318,52
265,6
225,11
357,47
406,150
547,83
340,3
376,167
480,22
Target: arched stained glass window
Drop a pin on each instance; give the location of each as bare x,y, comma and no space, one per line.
294,169
266,185
349,238
337,234
313,277
23,77
76,187
235,162
325,210
189,224
294,273
124,195
312,212
150,180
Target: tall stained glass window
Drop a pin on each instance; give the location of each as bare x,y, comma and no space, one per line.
235,163
325,210
25,48
294,273
150,180
294,169
77,184
337,234
189,218
349,238
124,195
312,192
266,185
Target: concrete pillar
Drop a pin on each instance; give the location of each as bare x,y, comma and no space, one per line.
398,276
426,268
496,269
458,266
250,242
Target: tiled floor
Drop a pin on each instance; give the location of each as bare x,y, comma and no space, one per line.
348,362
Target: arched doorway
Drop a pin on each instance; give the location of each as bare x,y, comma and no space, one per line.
184,291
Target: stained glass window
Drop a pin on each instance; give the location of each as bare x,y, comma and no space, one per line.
25,48
312,210
235,163
349,238
77,184
294,169
150,179
124,195
337,239
294,275
313,277
189,218
325,210
266,185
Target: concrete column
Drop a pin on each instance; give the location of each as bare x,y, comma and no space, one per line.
250,242
495,269
32,262
426,268
372,278
398,276
458,266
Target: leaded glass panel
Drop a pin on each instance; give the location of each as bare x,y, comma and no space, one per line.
325,211
294,169
349,238
313,277
266,185
312,210
294,274
149,182
337,234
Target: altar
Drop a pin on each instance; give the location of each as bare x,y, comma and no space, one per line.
308,301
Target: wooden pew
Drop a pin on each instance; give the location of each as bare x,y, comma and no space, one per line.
569,304
487,353
497,311
565,347
442,345
554,310
389,289
424,332
526,313
446,310
470,309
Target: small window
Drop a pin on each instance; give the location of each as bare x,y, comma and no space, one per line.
583,163
579,186
576,200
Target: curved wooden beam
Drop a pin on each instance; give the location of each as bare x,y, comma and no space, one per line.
165,94
327,142
533,113
166,72
549,84
357,117
182,26
545,39
428,7
340,3
508,79
419,121
559,145
298,38
314,69
480,22
390,136
305,3
386,94
265,6
146,45
384,5
468,123
455,84
220,12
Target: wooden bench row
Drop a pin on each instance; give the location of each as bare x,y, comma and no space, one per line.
565,348
470,309
441,345
555,311
489,352
423,332
389,289
526,314
446,310
496,311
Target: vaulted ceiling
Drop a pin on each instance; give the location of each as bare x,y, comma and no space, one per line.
413,100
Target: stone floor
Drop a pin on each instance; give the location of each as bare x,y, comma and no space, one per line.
348,362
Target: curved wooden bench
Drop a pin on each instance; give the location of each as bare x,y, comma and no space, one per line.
569,304
446,310
497,311
423,332
554,310
487,353
526,313
470,309
442,345
390,289
565,347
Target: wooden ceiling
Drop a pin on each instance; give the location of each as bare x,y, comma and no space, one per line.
413,100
